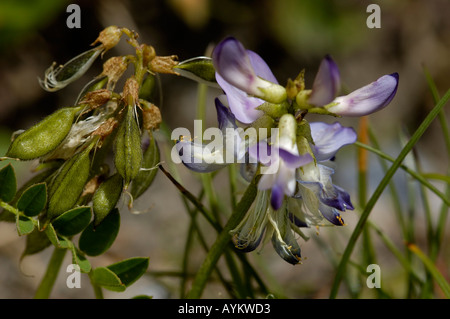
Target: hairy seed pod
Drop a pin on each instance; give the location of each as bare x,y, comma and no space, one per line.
149,169
68,183
43,137
127,148
106,197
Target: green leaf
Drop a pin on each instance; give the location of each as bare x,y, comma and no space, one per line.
130,270
106,278
95,240
73,221
8,183
33,200
24,225
142,297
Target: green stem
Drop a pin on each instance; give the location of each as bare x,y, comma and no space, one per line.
46,285
98,292
379,190
221,242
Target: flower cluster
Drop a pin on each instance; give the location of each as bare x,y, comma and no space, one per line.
295,184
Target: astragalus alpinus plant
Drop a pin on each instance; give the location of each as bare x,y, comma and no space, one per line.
262,128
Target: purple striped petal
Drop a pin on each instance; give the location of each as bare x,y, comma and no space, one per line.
242,105
231,61
326,84
368,99
329,138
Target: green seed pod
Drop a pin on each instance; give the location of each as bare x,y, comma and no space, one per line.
148,172
200,69
68,183
106,197
127,148
43,137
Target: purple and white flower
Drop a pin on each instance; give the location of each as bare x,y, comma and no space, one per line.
246,80
295,188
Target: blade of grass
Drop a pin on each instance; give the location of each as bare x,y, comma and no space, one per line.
439,234
379,190
429,264
414,174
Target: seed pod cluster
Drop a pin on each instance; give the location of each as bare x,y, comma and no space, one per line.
75,142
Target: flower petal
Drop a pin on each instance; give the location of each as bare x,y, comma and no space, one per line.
260,67
198,157
231,61
242,105
332,215
276,200
292,160
326,84
329,138
368,99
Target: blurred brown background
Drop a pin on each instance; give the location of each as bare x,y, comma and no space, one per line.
290,35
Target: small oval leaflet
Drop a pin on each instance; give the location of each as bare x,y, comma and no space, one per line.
8,183
33,200
95,240
73,221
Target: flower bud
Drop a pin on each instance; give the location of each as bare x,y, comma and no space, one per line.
44,137
148,53
127,147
